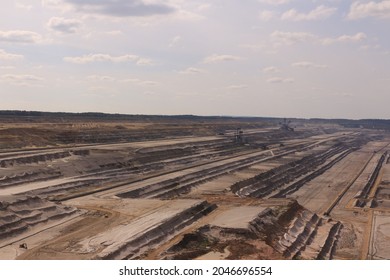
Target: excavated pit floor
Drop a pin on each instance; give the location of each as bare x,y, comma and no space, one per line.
76,205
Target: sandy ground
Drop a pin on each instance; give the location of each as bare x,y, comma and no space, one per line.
107,226
379,245
238,217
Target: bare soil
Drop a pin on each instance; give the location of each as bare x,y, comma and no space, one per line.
99,187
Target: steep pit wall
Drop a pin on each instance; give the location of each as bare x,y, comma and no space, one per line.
136,237
29,159
284,232
28,177
18,214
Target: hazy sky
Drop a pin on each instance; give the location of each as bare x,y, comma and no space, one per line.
287,58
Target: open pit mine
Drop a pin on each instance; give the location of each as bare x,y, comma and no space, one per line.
96,186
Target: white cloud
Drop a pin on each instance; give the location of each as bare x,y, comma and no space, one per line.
280,80
289,38
144,61
56,4
254,47
50,3
9,56
21,80
13,77
23,6
90,58
20,36
288,80
192,70
114,32
236,87
7,67
358,37
123,8
174,41
134,81
139,82
64,25
149,83
186,15
271,69
352,38
266,15
307,64
379,9
275,2
221,58
101,78
99,89
203,7
321,12
370,47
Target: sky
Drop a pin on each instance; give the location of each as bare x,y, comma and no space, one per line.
270,58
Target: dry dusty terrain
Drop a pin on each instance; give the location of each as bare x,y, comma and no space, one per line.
88,187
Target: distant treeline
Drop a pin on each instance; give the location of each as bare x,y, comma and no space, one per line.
15,114
363,123
91,116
